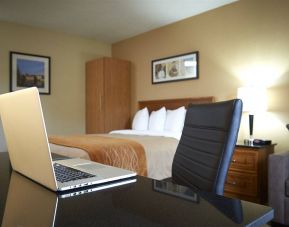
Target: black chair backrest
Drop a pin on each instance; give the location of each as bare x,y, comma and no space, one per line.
207,144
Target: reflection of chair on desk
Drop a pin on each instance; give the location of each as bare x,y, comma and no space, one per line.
205,150
232,208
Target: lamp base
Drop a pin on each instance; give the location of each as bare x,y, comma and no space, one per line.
249,142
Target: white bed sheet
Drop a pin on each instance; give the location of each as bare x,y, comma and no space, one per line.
176,135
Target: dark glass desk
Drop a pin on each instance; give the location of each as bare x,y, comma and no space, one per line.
143,203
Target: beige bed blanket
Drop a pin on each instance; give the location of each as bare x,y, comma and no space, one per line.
118,152
159,152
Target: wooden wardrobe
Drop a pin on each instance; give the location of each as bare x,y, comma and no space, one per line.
107,95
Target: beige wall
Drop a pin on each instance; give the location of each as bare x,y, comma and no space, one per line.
239,44
64,109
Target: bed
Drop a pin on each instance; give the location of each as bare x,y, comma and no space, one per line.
148,152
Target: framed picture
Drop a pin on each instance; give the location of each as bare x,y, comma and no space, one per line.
29,70
176,68
175,190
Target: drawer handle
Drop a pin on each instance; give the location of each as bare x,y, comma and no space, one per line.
234,160
232,183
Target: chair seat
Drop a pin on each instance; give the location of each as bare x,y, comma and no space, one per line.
287,187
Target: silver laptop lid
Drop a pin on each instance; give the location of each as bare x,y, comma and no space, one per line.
26,136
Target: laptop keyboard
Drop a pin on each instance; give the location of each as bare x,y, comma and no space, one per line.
65,174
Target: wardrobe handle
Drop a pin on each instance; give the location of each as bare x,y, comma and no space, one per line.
100,102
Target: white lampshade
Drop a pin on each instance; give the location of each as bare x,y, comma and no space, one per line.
254,98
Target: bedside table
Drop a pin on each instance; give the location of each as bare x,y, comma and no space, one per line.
247,177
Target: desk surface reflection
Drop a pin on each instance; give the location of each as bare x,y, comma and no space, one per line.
145,202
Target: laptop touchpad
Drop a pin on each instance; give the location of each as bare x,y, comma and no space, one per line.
89,166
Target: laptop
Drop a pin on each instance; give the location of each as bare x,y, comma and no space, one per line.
29,152
26,198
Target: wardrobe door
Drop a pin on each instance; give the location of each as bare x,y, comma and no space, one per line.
117,94
95,111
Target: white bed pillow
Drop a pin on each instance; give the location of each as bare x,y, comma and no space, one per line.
141,120
157,120
175,120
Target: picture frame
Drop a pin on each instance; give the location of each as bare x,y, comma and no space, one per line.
176,68
29,70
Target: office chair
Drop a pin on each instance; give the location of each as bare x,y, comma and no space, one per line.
207,144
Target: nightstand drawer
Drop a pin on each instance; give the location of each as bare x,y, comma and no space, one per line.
242,183
244,160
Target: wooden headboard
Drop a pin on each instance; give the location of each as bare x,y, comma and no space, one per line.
171,104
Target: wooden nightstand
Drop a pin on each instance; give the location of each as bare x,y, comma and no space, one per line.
248,173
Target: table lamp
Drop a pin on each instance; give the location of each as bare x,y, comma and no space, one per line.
254,100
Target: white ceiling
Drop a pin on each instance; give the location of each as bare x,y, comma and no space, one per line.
104,20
